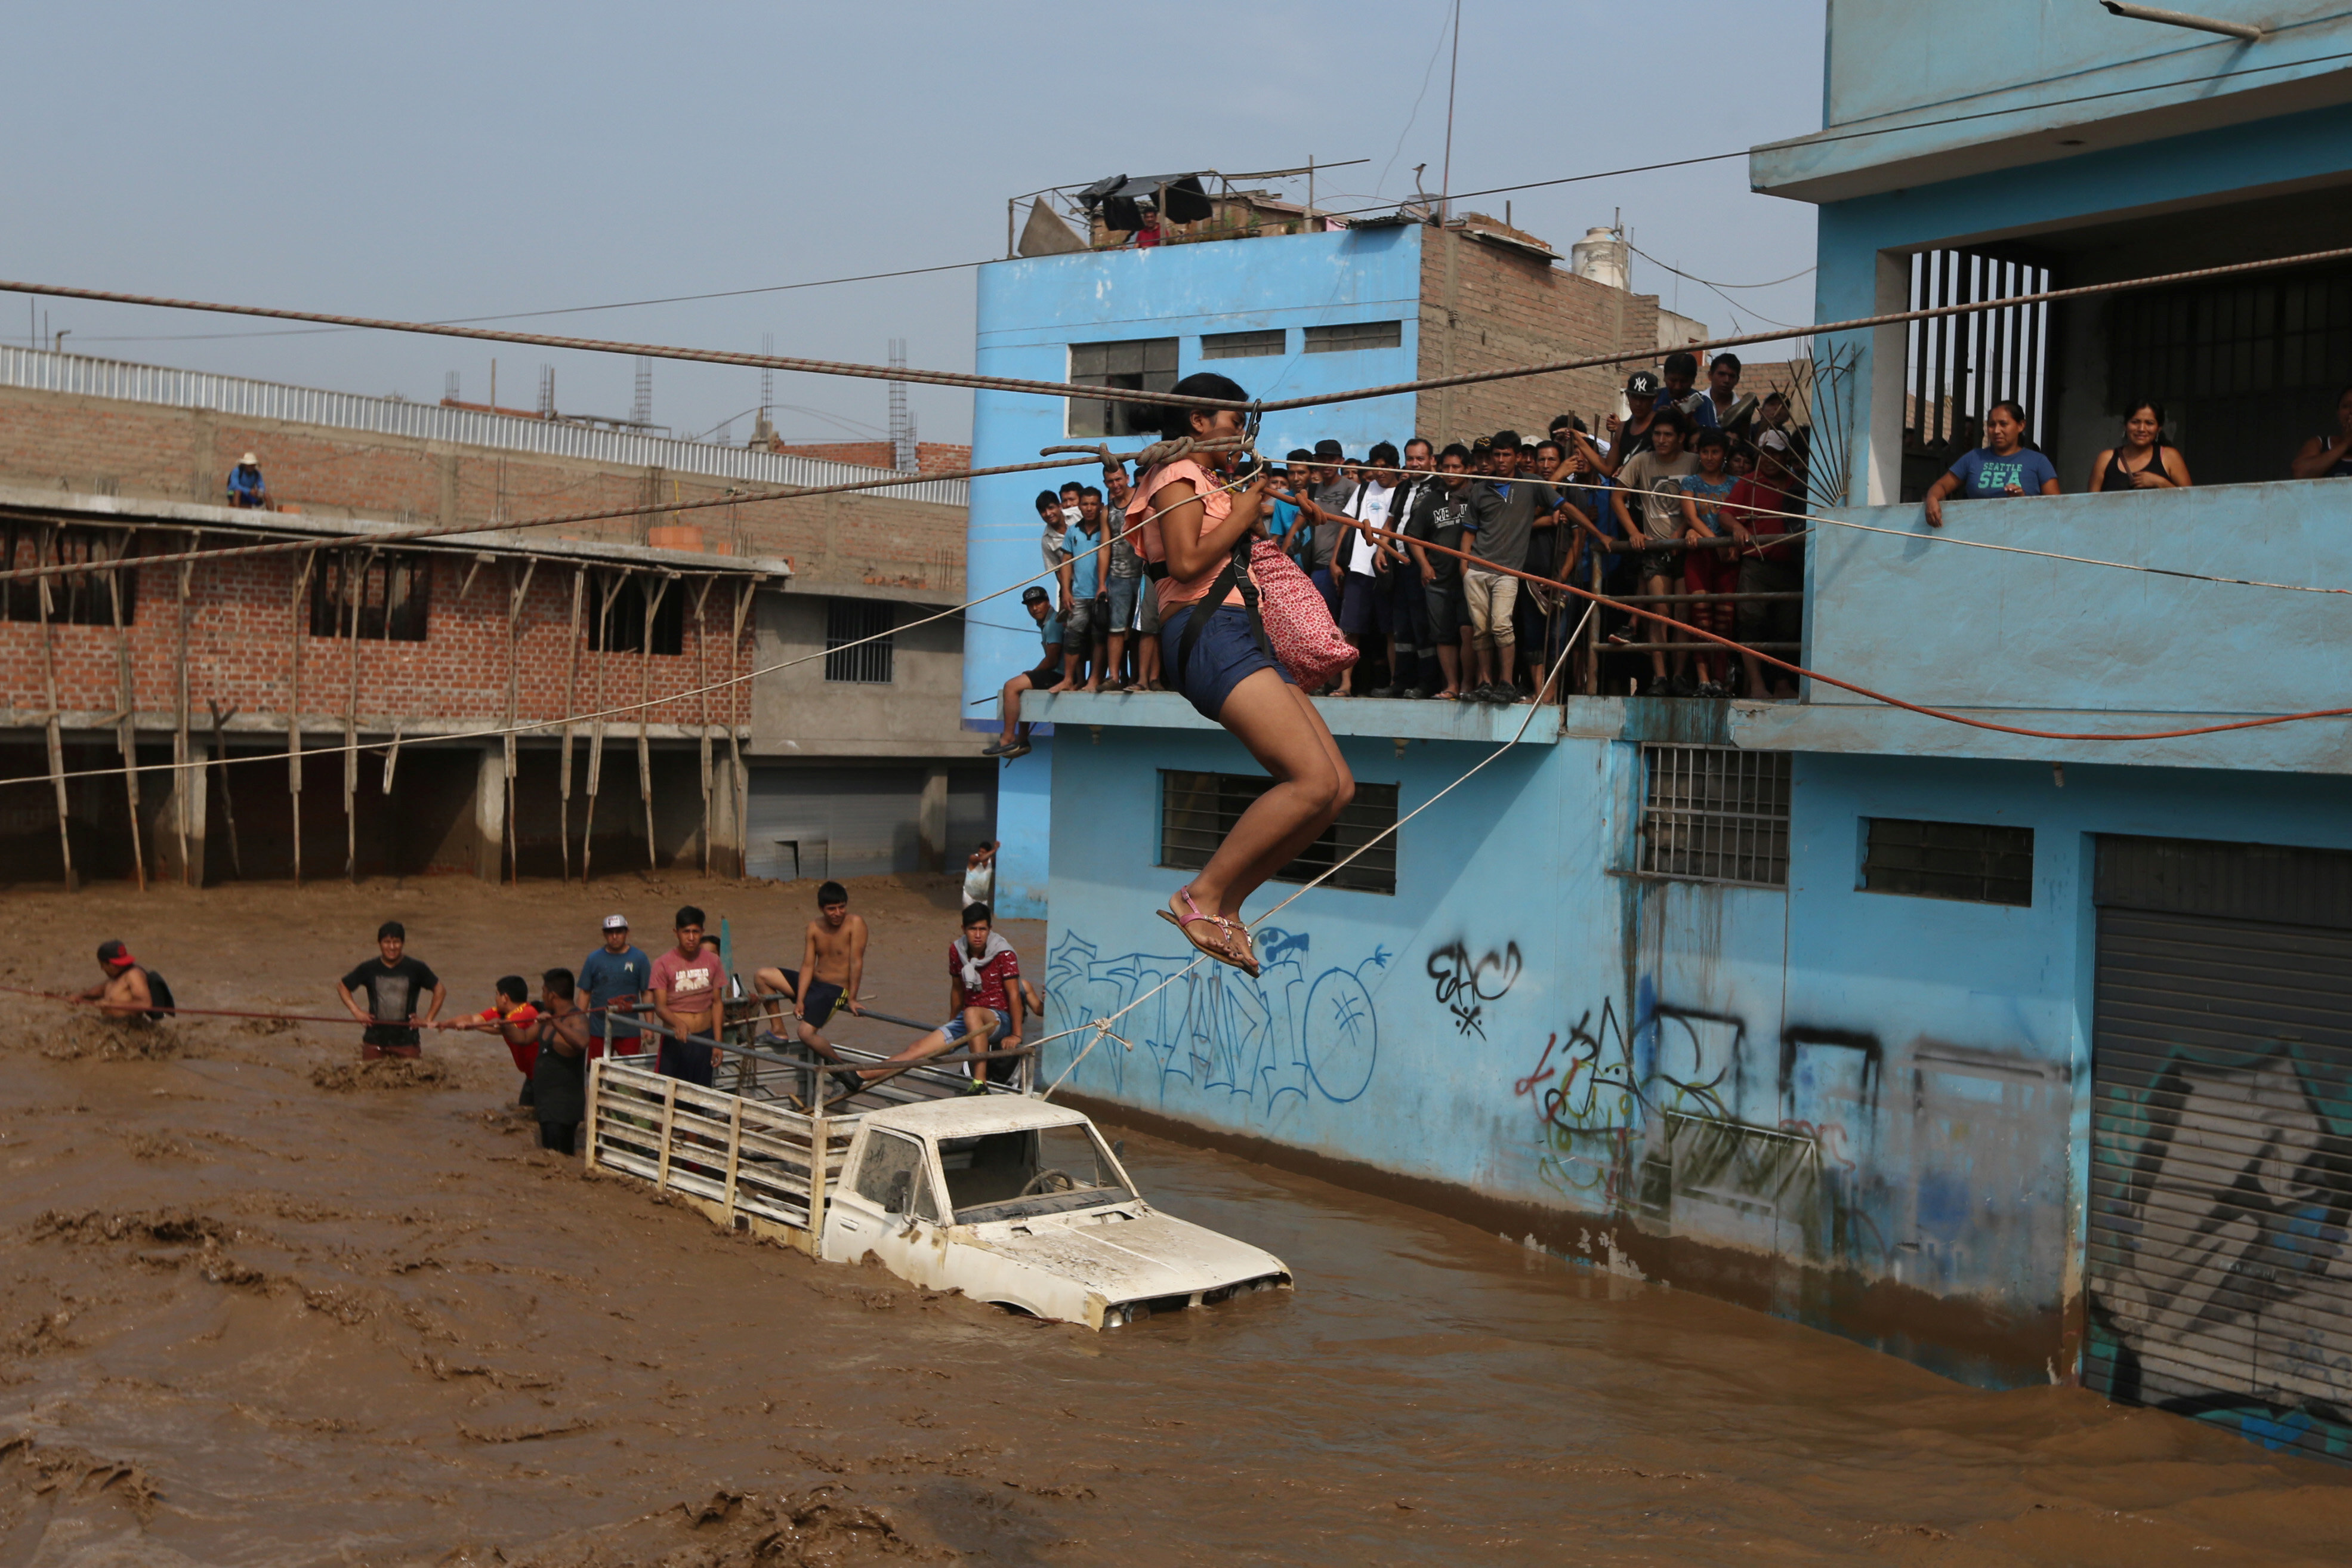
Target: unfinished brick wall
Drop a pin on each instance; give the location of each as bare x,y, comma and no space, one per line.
115,448
244,628
1485,306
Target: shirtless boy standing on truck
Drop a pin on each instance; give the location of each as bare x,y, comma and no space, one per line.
833,957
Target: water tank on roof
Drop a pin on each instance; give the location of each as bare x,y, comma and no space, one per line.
1600,256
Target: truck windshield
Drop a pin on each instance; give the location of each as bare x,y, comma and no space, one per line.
1010,1176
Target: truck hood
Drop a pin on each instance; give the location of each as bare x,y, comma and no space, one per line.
1150,1254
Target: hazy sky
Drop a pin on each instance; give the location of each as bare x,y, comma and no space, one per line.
435,161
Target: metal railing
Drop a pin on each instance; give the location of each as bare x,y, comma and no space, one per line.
80,375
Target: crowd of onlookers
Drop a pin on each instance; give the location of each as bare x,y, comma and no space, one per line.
1449,565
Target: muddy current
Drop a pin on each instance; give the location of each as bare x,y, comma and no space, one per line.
264,1308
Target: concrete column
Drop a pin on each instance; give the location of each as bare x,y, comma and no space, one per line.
490,814
1024,829
931,818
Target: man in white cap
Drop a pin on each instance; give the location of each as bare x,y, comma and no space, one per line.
246,488
610,980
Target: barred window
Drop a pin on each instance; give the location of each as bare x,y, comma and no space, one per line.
621,628
1715,814
83,599
848,654
1349,336
1974,862
1242,346
1137,364
376,595
1197,810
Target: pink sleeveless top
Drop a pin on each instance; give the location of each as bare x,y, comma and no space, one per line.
1216,504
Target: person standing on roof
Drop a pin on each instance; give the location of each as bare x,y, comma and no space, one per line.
246,488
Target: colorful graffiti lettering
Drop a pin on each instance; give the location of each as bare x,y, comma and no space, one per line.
1464,987
1273,1043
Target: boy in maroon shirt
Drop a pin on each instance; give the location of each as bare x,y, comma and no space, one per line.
985,1001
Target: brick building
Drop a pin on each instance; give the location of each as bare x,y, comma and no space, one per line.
851,761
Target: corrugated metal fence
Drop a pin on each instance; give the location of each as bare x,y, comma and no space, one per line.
40,370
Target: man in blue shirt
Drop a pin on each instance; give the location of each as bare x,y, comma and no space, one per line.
1014,740
246,488
1085,617
612,978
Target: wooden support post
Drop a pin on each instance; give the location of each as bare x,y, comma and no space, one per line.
356,595
735,731
571,706
294,710
516,593
228,807
49,681
734,1151
610,591
645,714
126,722
185,782
702,683
392,754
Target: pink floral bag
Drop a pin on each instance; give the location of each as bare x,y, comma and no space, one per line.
1298,626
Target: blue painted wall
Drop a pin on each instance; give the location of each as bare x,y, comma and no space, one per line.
1032,310
1795,1098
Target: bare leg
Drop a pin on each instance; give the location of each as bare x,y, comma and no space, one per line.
1449,661
1008,703
1311,783
1116,661
771,982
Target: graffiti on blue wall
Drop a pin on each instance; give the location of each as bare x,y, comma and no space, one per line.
1292,1036
1464,988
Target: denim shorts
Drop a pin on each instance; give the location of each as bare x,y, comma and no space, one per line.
1225,656
1122,603
954,1030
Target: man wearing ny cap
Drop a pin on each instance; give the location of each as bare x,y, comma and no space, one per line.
612,978
1631,434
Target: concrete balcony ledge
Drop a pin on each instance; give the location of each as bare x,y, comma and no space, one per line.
1477,723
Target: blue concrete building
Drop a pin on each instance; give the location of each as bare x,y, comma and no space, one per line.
2025,1055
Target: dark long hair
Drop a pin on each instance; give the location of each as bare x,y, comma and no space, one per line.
2025,441
2152,406
1176,418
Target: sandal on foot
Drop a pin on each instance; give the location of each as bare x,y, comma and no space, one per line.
1219,949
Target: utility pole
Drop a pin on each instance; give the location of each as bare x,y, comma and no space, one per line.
1453,75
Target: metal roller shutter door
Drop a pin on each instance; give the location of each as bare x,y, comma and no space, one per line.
2219,1278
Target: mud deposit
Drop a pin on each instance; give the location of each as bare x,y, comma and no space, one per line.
259,1314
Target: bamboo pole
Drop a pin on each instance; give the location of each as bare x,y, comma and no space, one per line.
702,683
48,537
597,736
126,722
183,781
228,807
516,593
571,706
644,693
294,711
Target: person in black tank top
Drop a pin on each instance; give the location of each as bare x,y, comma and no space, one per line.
2142,461
2329,456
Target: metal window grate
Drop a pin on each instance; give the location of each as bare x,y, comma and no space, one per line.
1971,861
1242,346
1197,810
1714,813
1348,336
371,594
1961,365
850,622
1138,365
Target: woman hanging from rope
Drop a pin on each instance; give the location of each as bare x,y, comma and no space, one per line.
1197,521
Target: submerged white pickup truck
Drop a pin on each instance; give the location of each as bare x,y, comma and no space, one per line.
1003,1195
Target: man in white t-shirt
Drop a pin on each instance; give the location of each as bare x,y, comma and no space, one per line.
1360,561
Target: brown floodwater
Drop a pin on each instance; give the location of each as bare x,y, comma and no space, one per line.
258,1315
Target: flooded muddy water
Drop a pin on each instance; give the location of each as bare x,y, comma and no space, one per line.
261,1313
